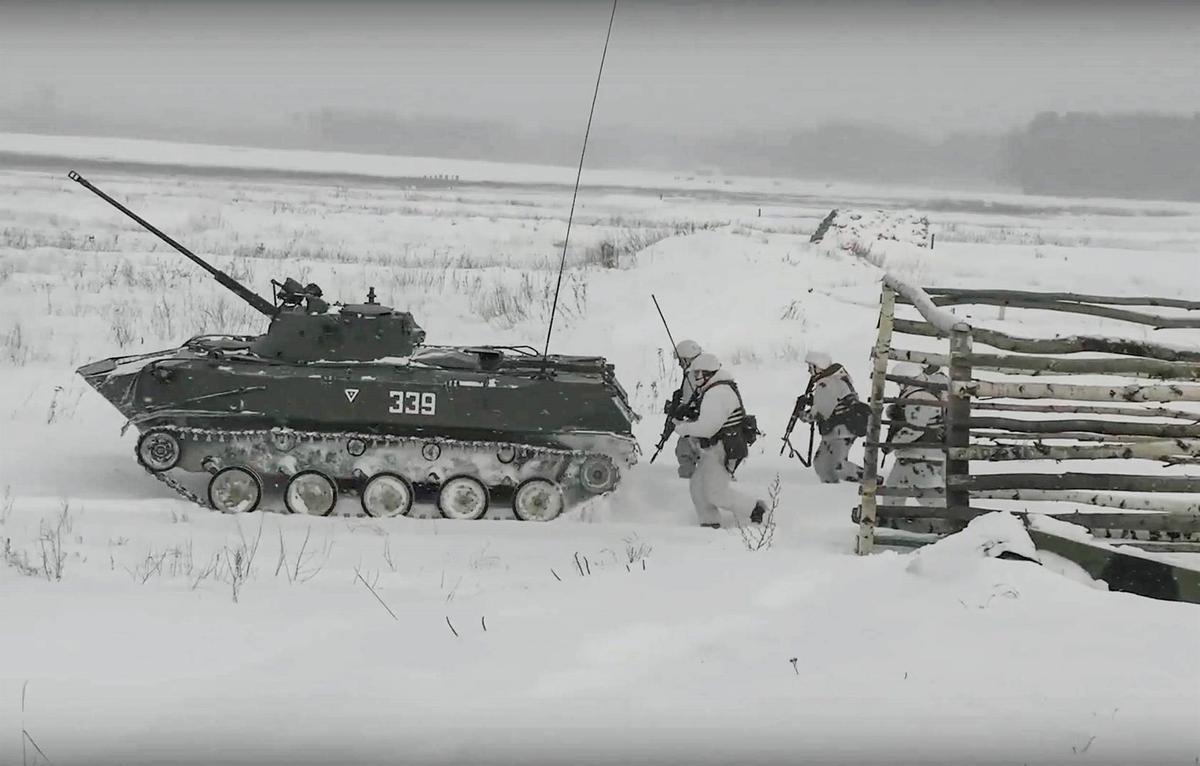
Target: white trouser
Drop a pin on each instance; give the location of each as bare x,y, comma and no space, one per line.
908,474
831,461
687,452
712,489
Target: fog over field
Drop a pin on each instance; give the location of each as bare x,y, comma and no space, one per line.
912,90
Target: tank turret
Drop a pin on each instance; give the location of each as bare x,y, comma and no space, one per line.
304,327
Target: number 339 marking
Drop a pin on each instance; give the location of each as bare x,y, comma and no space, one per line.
413,403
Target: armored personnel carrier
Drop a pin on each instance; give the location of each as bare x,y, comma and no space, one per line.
348,399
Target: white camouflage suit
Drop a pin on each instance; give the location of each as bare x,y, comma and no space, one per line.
711,485
908,471
687,449
832,461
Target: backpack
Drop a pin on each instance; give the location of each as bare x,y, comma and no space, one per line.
852,413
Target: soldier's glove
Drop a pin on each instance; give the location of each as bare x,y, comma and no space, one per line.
894,412
807,416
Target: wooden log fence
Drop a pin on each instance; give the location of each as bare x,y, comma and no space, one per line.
1020,421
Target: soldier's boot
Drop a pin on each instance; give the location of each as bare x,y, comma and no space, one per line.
756,516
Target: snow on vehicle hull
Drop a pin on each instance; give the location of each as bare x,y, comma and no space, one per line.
499,418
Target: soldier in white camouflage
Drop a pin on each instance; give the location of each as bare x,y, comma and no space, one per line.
919,464
832,397
717,428
687,450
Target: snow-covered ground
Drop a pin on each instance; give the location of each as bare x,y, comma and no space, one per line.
620,632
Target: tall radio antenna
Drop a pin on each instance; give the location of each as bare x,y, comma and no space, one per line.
578,175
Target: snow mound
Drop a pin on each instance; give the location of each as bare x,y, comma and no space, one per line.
987,536
858,229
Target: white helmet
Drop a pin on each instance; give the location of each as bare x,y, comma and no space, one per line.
705,363
818,359
687,350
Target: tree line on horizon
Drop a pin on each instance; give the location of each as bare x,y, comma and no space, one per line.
1134,155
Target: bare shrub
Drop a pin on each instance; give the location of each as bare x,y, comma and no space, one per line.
18,560
51,538
50,547
239,562
6,504
150,566
307,564
122,321
162,318
636,550
15,347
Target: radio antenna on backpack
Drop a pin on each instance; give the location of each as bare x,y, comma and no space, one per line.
668,327
578,175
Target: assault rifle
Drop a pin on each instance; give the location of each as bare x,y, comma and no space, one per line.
675,408
803,402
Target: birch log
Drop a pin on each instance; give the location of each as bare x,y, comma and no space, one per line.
1052,365
1133,393
1112,300
1110,427
1069,344
1101,499
1158,450
1092,481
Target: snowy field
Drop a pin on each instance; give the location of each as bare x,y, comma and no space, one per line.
620,632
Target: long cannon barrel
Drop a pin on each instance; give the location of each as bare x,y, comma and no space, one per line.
237,288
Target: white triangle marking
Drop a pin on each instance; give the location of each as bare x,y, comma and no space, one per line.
351,394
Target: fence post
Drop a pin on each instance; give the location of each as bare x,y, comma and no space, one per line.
958,417
865,541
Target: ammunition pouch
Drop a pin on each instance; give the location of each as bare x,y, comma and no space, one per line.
736,438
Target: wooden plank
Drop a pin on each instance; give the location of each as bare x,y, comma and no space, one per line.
1070,344
915,400
865,538
1040,451
1156,321
1109,427
1055,365
1134,393
928,385
923,525
1154,546
1099,499
1095,409
892,540
1090,481
918,357
938,493
995,436
958,415
1112,300
915,296
1123,571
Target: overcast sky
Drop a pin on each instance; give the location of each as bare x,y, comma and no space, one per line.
688,67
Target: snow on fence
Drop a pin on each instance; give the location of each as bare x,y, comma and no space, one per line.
997,422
